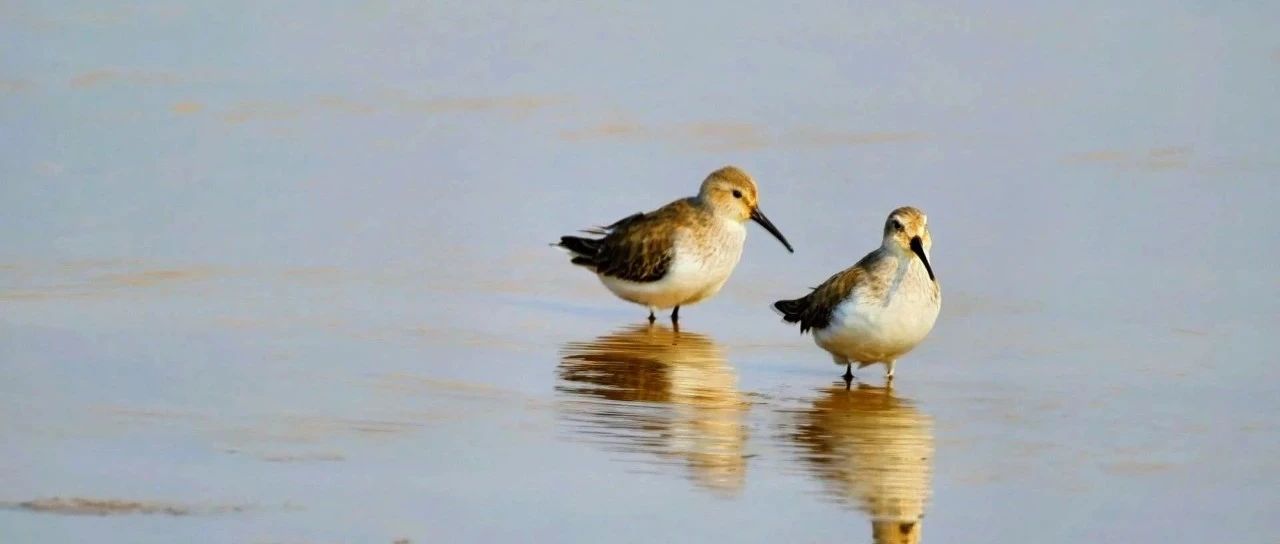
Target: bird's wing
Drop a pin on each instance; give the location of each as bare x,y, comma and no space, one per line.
641,247
815,310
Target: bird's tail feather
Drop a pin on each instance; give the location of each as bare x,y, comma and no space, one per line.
790,309
584,250
585,247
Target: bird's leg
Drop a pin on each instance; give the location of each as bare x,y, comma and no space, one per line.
675,315
652,318
848,374
888,372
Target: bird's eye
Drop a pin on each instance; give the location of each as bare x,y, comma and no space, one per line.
897,225
737,193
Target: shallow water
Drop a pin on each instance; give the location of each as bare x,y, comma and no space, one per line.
282,275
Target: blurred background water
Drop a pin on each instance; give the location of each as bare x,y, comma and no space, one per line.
284,268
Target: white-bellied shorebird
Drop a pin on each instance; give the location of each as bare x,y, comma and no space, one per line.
681,253
882,307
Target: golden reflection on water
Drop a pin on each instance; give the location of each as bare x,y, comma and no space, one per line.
653,390
873,450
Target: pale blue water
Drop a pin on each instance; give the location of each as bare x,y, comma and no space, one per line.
294,258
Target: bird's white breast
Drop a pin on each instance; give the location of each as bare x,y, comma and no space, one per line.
702,262
868,328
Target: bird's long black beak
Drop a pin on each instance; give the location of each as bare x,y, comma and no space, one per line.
758,217
917,247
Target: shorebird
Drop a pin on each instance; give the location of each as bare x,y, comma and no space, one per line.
880,308
681,253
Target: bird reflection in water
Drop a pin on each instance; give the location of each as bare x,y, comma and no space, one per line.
658,391
872,450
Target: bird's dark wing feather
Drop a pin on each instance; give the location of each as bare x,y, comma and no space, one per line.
814,310
639,247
